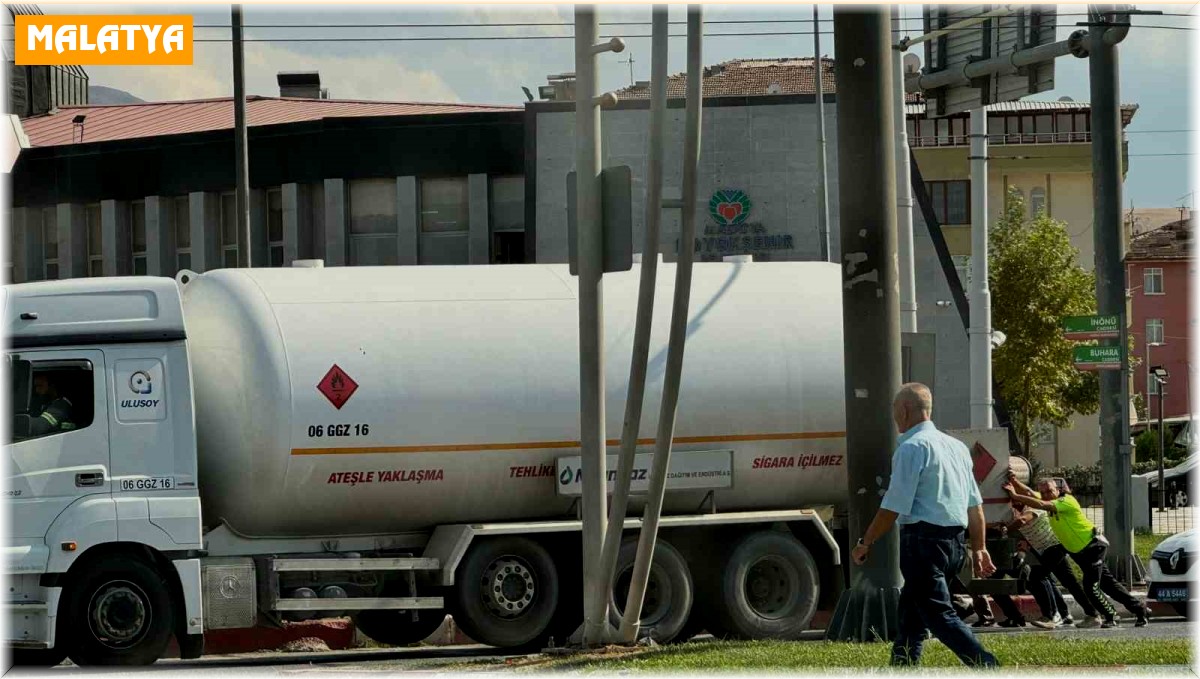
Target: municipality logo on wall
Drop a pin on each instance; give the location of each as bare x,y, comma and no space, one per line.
729,207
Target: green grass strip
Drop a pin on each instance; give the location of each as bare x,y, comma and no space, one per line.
1013,651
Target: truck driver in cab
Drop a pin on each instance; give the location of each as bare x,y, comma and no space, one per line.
50,412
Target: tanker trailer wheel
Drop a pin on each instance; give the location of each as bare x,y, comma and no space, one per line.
397,628
768,588
506,592
668,599
119,612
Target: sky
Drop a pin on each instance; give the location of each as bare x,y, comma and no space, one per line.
1156,65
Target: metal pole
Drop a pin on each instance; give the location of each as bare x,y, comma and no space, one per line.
981,301
870,306
1003,65
904,199
240,152
1162,443
822,172
956,26
678,335
1110,290
591,331
646,289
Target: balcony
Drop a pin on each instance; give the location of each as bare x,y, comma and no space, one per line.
1005,139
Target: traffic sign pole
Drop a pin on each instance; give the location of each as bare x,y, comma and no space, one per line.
1115,450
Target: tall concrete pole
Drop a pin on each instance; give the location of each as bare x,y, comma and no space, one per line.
870,306
1110,286
822,172
240,152
981,297
590,254
904,199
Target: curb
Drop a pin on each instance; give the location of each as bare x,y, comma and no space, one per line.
1029,608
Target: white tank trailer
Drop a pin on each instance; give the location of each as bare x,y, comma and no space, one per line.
396,443
461,391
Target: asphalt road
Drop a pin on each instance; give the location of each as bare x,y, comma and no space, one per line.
443,659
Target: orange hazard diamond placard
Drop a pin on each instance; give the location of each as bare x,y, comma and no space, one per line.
337,386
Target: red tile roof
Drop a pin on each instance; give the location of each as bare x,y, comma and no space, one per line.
748,77
1172,241
136,121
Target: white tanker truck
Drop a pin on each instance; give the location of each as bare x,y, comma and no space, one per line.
247,447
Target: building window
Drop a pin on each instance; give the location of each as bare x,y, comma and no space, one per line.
1152,281
444,221
183,233
507,215
275,227
1154,331
137,237
1037,201
951,201
229,236
373,225
95,243
50,243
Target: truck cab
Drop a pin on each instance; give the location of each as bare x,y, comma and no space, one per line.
102,552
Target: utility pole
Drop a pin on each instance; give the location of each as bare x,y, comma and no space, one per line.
870,307
660,30
630,62
822,172
240,152
1162,445
981,297
590,255
677,339
1106,31
904,199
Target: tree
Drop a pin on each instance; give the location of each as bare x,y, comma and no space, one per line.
1034,283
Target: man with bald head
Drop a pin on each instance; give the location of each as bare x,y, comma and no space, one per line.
933,496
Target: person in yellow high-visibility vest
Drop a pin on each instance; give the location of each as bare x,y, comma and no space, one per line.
1086,546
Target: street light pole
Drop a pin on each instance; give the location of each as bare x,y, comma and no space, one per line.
1162,440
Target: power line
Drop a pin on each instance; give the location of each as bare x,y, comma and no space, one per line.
494,38
534,24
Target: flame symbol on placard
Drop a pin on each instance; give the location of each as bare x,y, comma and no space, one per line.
337,383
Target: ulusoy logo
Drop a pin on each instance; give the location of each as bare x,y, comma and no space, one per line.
103,40
139,383
729,207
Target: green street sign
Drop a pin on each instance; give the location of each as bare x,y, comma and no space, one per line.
1098,358
1092,327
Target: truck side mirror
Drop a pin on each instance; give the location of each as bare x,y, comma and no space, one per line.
21,374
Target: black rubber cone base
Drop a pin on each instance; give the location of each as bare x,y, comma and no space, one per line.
866,613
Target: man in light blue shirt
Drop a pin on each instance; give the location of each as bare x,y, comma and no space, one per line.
934,497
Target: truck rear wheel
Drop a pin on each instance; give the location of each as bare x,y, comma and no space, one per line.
119,612
506,592
397,628
768,588
668,599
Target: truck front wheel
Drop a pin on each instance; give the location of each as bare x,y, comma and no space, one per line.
119,613
506,592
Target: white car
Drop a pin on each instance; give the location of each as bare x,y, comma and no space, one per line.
1173,573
